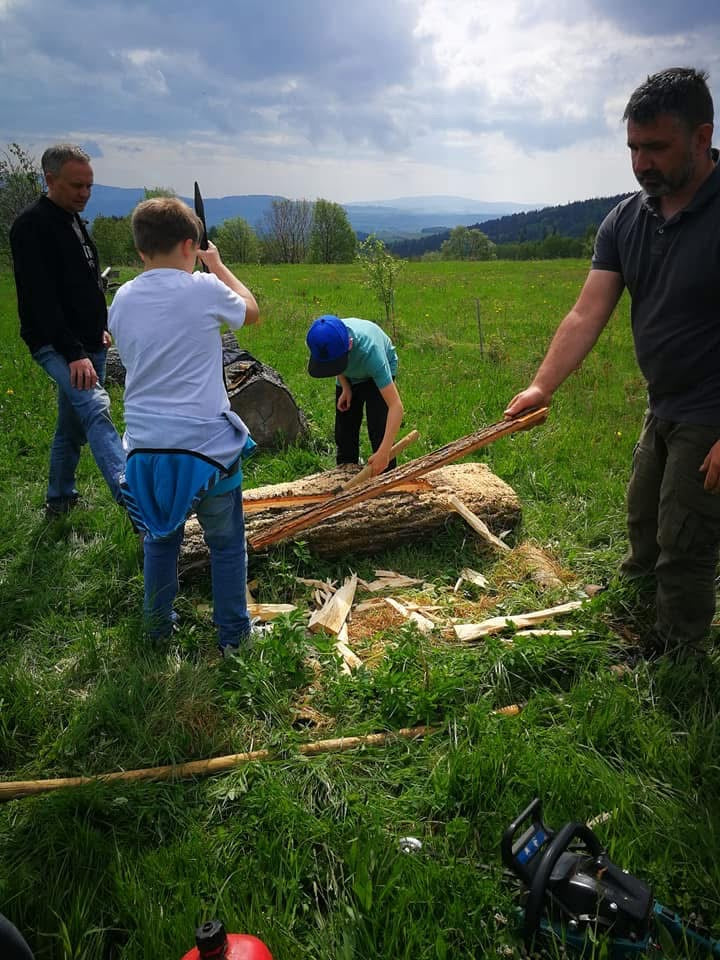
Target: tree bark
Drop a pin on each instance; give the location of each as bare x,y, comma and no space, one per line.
405,514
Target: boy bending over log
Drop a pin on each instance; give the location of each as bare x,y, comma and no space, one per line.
363,359
185,445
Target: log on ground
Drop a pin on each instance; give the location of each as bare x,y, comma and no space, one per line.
407,514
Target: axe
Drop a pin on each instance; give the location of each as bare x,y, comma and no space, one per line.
200,211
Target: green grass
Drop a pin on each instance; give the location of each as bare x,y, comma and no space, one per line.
304,852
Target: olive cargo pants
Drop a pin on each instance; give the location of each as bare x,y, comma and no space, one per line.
674,529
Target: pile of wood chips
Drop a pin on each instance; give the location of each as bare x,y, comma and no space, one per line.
357,613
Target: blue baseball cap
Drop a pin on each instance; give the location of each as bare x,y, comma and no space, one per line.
329,342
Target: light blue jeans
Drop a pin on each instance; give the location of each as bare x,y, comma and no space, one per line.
83,417
223,524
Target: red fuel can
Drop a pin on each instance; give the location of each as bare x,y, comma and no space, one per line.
213,943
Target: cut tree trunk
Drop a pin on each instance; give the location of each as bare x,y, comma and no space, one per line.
260,397
256,391
289,528
410,513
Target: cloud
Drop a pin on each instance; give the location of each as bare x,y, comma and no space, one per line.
92,148
661,17
337,92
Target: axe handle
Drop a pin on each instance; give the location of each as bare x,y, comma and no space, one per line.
366,471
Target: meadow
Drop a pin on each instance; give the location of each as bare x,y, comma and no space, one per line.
302,852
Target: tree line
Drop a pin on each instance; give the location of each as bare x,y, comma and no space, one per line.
292,231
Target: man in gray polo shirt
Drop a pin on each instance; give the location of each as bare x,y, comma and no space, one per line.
663,244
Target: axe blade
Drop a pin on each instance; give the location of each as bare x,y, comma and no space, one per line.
200,211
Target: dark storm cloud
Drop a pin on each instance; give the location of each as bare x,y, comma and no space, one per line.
167,68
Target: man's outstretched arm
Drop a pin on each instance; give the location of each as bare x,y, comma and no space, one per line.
573,340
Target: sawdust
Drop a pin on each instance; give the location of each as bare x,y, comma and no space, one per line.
529,562
365,625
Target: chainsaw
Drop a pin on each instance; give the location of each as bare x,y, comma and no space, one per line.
575,894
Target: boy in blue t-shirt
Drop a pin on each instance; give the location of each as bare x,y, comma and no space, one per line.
363,359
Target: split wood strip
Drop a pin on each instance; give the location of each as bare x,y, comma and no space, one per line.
13,790
333,615
343,638
474,521
545,633
351,661
390,581
472,631
289,527
366,472
423,624
302,500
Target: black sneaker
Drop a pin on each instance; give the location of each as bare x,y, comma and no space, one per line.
59,506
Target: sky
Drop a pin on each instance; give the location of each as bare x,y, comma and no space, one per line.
349,100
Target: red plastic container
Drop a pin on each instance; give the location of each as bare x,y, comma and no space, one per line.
212,943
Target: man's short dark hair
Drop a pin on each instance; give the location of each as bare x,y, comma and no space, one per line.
160,224
59,154
680,91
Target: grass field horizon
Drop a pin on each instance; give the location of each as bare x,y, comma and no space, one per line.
305,853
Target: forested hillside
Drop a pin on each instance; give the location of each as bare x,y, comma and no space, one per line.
569,220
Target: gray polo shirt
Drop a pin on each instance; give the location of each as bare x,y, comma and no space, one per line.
672,270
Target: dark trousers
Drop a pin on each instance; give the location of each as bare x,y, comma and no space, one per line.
674,529
365,397
12,944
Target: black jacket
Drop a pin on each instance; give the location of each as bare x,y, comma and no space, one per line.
60,297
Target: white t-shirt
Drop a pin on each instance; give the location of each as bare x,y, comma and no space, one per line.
166,326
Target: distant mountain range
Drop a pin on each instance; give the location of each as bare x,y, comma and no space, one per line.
388,219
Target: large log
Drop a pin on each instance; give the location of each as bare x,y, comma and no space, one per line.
259,395
406,514
289,528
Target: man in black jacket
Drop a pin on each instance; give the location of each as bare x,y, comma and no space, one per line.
63,320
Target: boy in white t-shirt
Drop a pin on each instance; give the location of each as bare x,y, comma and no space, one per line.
185,445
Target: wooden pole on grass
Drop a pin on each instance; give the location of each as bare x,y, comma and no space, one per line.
13,790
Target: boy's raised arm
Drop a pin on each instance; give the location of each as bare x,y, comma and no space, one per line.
212,260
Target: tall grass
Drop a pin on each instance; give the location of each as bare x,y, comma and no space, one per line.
304,852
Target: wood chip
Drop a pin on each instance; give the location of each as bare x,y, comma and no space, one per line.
389,580
472,576
268,611
422,623
333,614
512,710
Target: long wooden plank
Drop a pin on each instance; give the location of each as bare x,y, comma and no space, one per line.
289,527
295,501
366,472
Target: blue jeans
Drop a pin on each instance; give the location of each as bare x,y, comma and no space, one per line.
223,524
83,417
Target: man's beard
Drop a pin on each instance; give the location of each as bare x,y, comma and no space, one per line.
657,184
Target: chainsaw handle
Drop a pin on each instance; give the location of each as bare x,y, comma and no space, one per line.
538,886
532,812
